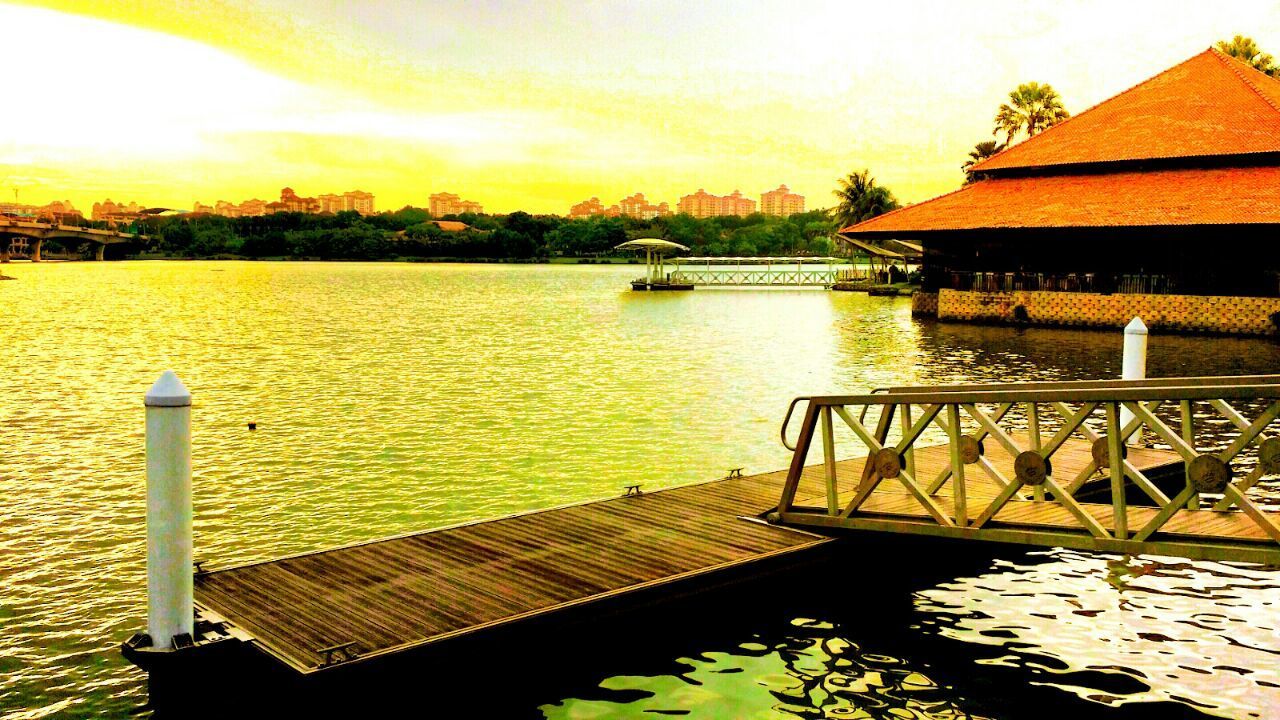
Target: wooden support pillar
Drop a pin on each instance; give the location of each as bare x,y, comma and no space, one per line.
829,463
99,251
958,488
1189,437
1033,432
36,246
909,456
1115,462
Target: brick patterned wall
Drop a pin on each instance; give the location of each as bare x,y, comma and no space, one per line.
1178,313
923,303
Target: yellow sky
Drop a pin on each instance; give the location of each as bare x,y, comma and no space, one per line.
536,106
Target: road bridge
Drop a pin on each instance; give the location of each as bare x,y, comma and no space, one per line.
27,238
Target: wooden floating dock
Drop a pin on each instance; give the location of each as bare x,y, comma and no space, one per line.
407,592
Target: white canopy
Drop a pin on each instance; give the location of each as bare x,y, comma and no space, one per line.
654,244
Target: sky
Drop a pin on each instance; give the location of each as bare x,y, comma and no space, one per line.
536,106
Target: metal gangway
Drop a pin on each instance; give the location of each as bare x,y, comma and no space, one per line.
759,271
1162,466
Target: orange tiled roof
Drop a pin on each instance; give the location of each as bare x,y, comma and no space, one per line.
1192,196
1208,105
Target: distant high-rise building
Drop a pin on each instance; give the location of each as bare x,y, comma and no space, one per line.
358,200
637,207
115,212
253,208
587,208
59,211
330,203
293,203
226,209
781,202
703,204
450,204
735,204
202,208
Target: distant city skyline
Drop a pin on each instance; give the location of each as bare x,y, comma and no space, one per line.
780,202
401,98
701,204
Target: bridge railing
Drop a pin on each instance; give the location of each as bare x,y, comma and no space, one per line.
815,275
1031,424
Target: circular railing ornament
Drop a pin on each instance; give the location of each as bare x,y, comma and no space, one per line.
1269,455
971,449
888,463
1208,474
1030,468
1102,452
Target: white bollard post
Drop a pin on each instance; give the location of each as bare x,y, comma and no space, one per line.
170,609
1134,364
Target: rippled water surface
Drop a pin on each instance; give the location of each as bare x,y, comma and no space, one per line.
397,397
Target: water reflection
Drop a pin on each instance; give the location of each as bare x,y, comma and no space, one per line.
811,671
1122,630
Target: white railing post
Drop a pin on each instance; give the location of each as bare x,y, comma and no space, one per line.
170,610
1134,363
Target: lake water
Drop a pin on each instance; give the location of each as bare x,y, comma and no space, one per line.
397,397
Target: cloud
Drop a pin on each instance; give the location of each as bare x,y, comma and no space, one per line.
104,91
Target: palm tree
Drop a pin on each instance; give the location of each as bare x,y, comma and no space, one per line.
980,152
1033,108
1247,51
861,199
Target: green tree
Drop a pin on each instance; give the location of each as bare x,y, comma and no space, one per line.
754,239
1247,51
214,238
1032,108
861,199
982,151
479,222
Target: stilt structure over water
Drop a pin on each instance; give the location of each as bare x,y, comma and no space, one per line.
1118,211
1066,472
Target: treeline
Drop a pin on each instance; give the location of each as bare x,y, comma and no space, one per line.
411,233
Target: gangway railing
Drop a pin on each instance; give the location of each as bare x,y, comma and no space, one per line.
977,461
759,271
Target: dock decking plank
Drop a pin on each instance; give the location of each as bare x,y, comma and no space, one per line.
410,590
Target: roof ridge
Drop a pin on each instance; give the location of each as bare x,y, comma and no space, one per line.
1235,66
1126,91
962,188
